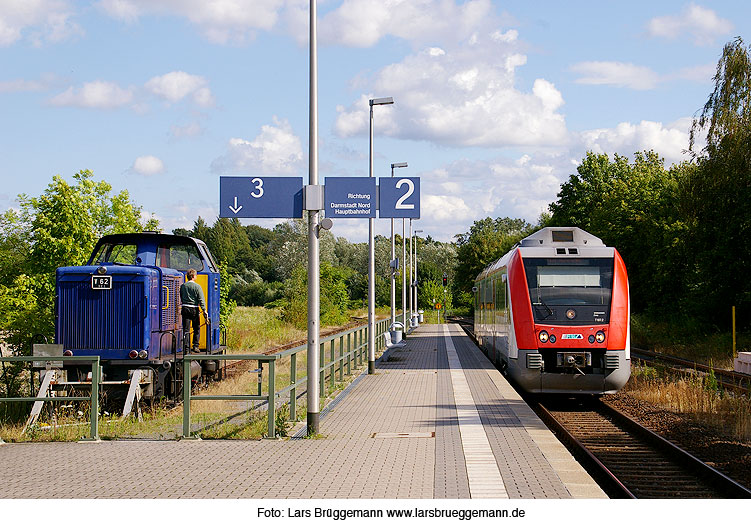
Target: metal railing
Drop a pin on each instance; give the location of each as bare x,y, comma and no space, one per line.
339,354
95,379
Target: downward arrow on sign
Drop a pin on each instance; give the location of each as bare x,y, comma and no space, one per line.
236,208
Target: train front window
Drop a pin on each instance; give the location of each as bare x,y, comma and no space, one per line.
583,285
115,254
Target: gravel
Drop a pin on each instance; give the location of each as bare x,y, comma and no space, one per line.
705,442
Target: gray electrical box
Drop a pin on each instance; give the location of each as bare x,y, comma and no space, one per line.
313,198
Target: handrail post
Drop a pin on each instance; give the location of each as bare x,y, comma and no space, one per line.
186,397
349,353
293,390
332,370
322,370
95,399
341,358
272,399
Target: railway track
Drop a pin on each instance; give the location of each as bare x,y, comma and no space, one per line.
630,461
728,379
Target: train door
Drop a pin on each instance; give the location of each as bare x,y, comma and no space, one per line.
501,330
491,321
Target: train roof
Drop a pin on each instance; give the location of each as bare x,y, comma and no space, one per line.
152,236
561,242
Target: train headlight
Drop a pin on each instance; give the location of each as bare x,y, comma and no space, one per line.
133,354
552,338
600,336
68,353
591,339
544,336
143,354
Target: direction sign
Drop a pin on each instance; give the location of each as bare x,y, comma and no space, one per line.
350,197
399,197
260,197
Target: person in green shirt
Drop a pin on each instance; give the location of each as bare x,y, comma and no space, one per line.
191,298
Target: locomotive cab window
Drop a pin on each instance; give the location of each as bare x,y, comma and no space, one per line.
181,257
115,254
570,291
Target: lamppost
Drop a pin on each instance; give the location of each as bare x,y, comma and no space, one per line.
314,285
410,273
393,254
371,249
416,307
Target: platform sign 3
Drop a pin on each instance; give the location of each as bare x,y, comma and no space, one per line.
260,197
399,197
350,197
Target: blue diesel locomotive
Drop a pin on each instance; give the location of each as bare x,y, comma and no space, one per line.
124,306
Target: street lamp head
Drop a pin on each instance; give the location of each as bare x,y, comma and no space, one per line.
399,165
382,101
418,231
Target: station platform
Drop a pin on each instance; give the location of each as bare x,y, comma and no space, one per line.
436,421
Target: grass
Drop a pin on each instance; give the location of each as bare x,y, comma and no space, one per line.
687,340
695,396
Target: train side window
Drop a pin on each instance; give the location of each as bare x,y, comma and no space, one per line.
181,257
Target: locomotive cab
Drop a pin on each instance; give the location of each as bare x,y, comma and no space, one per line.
124,305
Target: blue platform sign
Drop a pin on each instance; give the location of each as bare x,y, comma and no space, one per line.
350,197
399,197
260,197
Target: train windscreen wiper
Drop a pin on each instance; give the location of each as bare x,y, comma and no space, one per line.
550,311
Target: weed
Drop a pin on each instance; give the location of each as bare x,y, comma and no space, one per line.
282,417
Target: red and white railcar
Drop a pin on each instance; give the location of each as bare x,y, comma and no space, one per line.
553,313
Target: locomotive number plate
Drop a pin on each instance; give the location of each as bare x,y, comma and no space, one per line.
572,336
101,282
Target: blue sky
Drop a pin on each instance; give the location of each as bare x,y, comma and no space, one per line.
495,102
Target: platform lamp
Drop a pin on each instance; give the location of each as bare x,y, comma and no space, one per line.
393,258
415,283
371,248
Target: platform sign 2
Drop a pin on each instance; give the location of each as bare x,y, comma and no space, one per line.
260,197
399,197
350,197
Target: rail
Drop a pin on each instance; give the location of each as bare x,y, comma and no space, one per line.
335,363
95,379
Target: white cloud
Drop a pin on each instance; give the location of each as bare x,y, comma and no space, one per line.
701,24
460,96
39,21
23,85
276,150
172,87
627,138
221,21
189,130
617,74
97,94
177,85
362,23
147,166
356,23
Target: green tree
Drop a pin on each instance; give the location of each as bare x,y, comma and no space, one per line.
718,193
486,241
635,207
58,228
